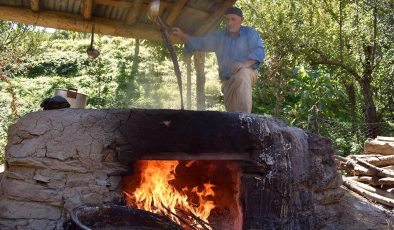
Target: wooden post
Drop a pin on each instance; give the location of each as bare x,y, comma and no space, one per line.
314,121
87,9
35,5
188,60
199,61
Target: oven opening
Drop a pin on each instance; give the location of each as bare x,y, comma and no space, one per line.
197,194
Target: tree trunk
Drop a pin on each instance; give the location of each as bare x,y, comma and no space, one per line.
188,60
136,59
278,96
351,93
370,114
199,61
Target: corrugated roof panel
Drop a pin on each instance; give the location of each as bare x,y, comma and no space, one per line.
11,2
117,14
76,7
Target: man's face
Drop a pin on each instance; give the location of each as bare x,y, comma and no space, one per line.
233,22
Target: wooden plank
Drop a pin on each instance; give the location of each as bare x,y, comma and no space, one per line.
176,10
35,5
75,22
134,11
213,19
87,9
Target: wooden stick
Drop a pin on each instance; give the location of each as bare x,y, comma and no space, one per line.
381,138
201,222
370,195
372,189
177,216
375,181
381,172
354,169
377,160
340,158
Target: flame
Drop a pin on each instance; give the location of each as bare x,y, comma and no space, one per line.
156,194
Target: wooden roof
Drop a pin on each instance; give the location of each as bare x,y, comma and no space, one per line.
126,18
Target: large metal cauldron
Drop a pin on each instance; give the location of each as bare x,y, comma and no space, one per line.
114,217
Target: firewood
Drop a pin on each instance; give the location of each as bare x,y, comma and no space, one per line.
390,167
352,168
367,194
369,188
380,147
184,221
366,155
375,181
340,158
381,138
377,160
380,172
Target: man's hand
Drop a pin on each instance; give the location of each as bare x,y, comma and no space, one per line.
237,66
177,32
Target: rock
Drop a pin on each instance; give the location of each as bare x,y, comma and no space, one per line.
20,190
13,209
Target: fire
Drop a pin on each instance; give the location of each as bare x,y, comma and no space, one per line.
157,193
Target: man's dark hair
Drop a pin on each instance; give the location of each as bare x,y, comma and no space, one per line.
235,10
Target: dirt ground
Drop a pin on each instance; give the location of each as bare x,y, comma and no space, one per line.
358,213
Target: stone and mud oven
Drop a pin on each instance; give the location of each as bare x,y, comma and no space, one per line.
59,160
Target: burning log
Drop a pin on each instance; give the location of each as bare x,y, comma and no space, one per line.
179,217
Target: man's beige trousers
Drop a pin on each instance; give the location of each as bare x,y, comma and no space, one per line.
238,90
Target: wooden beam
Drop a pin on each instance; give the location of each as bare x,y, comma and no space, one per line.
118,4
176,10
75,22
87,9
134,11
127,5
213,19
35,5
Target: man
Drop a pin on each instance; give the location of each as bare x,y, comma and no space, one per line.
239,51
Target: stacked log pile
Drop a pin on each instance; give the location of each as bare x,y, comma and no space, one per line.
372,174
